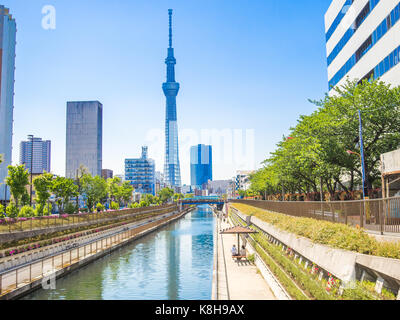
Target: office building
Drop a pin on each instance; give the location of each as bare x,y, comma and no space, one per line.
172,173
362,41
200,165
41,159
8,30
84,137
106,174
141,173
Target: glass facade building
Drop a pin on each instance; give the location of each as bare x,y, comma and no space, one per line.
84,137
141,173
41,155
172,172
200,165
8,30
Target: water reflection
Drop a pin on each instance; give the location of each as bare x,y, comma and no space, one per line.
173,263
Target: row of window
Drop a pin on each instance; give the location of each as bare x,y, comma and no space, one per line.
352,30
338,19
388,63
379,32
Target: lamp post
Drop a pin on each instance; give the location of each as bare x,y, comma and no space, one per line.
31,138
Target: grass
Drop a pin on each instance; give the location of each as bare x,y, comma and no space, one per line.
336,235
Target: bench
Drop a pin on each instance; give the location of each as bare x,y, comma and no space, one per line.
239,258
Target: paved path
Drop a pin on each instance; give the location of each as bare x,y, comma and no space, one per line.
244,283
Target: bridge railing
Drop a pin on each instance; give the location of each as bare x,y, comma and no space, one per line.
381,215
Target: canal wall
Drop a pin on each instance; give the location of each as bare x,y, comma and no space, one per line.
150,227
347,266
6,237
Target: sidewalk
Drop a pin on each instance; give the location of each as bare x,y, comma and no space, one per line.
244,283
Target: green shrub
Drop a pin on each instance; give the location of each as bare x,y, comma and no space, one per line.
12,211
70,208
251,258
47,209
100,207
26,212
114,205
1,211
134,205
143,204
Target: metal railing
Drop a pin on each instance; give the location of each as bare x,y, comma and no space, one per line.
47,268
37,223
381,215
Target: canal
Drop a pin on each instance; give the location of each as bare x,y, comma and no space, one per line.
172,263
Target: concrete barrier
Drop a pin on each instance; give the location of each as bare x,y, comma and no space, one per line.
342,264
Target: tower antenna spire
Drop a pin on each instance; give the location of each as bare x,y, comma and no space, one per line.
170,27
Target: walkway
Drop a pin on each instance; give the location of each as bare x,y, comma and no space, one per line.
243,280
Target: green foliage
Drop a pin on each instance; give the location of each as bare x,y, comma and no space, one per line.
12,210
70,208
166,194
251,258
17,180
26,212
47,209
317,145
143,204
2,210
63,189
114,205
43,185
134,205
95,189
100,207
25,199
178,196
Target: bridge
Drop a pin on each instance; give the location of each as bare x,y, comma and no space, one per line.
204,200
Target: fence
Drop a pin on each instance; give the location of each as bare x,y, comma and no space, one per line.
46,268
35,223
382,215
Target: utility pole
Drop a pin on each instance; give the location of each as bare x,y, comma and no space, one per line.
31,138
365,183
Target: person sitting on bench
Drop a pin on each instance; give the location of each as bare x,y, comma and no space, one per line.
243,252
234,251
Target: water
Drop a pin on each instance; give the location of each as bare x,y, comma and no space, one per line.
173,263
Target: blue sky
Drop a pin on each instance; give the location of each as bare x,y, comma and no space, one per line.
244,65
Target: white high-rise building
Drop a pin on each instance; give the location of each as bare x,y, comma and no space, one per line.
363,41
8,30
41,155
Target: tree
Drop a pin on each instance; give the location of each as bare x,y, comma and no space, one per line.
43,185
313,159
178,196
126,192
63,189
166,194
82,170
17,180
95,189
113,187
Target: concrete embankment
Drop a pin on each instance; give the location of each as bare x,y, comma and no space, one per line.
36,275
347,266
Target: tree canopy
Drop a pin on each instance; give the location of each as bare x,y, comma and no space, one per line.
316,149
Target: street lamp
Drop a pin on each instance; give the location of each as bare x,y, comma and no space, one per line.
31,138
